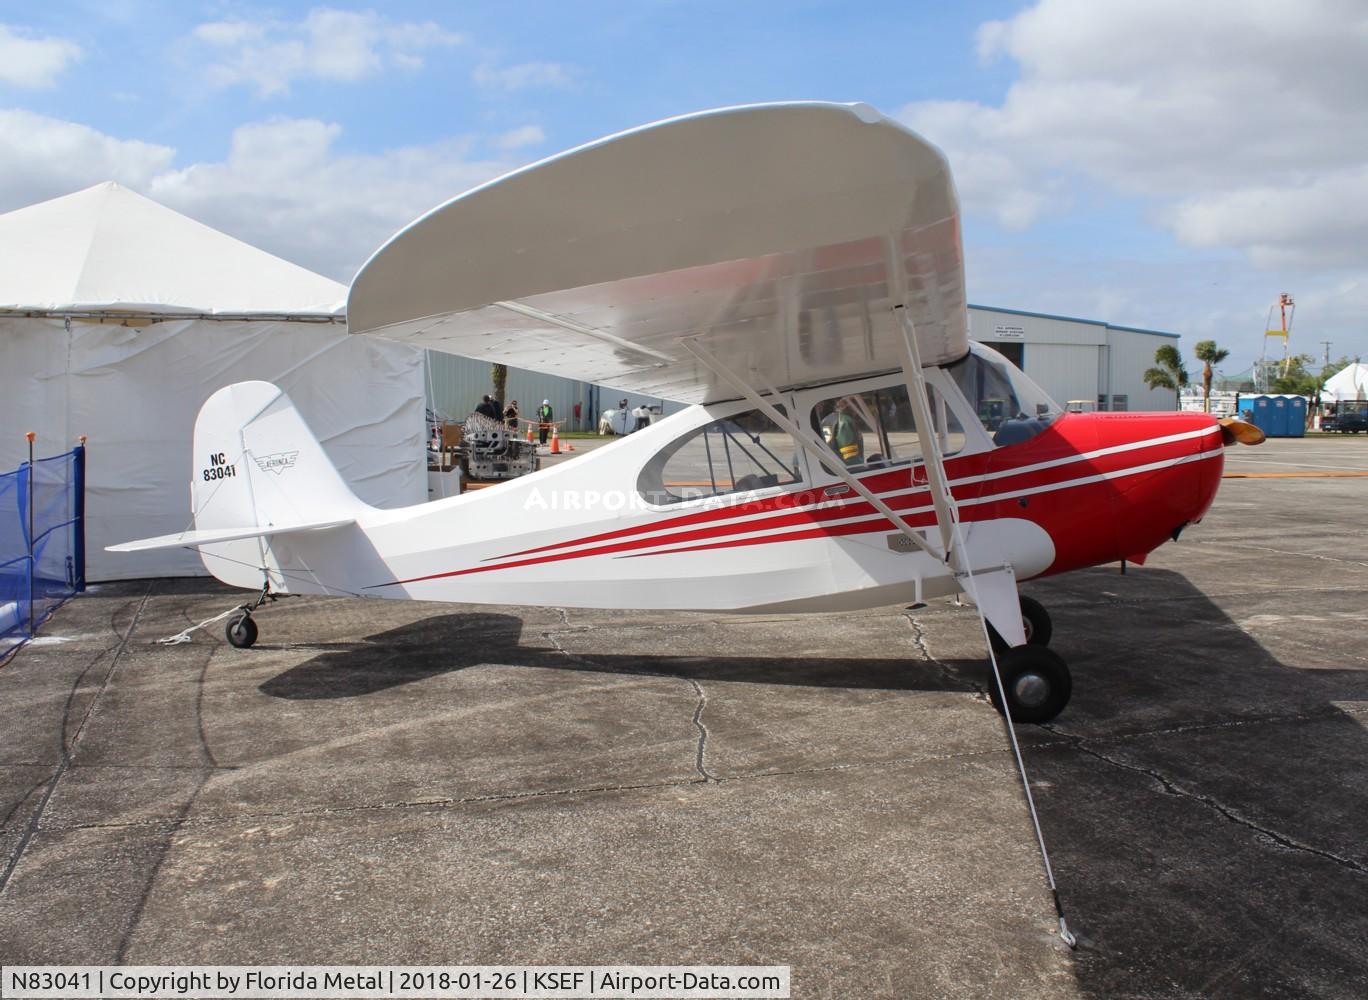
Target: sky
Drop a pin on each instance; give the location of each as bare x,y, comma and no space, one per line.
1166,164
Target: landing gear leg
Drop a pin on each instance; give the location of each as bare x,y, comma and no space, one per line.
1035,621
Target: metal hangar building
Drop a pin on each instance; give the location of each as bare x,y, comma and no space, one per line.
1075,360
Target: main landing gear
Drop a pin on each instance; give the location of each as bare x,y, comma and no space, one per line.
1035,678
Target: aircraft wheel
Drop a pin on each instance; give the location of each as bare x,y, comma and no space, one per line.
1037,682
1037,622
241,631
1034,619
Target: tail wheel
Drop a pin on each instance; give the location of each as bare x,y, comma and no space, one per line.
1037,682
1035,620
241,631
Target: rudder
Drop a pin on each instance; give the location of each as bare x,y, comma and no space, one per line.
257,464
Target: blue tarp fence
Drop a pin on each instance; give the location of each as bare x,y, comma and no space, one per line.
42,542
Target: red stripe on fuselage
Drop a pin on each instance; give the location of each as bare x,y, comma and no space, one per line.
764,515
1005,481
1055,444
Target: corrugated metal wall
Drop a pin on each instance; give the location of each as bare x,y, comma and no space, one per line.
1079,358
455,386
1131,354
1065,371
1070,358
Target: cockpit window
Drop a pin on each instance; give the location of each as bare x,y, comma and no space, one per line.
1010,406
876,428
734,455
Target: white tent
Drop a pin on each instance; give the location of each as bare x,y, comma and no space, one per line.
1349,383
119,317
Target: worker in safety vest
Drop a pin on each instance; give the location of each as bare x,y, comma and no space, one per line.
842,434
544,418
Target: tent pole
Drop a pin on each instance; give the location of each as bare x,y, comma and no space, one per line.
31,480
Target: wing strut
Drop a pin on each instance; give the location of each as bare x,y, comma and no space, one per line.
993,590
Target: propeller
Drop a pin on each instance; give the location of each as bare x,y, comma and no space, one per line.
1233,429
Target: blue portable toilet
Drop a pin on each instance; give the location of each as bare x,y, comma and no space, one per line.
1276,416
1260,409
1296,416
1280,412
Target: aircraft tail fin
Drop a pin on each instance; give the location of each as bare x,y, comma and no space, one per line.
257,472
258,465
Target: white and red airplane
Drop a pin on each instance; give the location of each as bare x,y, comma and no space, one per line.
795,272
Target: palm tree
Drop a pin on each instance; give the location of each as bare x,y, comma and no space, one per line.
498,374
1209,354
1168,372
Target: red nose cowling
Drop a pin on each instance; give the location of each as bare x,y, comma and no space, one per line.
1127,482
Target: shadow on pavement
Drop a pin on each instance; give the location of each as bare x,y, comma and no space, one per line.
1205,807
1203,800
446,643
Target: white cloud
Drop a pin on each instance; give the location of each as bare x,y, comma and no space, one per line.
517,138
32,62
285,189
1246,119
327,44
45,157
1323,221
525,76
282,187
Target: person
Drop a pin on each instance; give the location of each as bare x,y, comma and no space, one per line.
488,408
511,416
622,414
643,417
842,435
544,418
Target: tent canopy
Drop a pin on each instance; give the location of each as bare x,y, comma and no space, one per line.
1349,383
110,250
189,311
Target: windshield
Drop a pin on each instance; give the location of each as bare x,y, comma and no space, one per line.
1010,406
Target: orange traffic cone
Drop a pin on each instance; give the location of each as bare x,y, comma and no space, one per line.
555,441
529,433
569,446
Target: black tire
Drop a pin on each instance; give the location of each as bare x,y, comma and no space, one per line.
1037,682
241,631
1034,619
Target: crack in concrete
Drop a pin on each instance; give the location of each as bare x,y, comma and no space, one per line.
443,802
204,777
1171,787
701,758
949,673
69,748
74,766
1244,547
700,754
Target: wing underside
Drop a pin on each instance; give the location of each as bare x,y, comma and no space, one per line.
783,235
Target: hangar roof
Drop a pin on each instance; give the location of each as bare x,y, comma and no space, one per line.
1074,319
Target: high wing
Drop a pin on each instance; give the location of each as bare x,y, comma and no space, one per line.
768,230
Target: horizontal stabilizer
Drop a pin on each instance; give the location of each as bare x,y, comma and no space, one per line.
208,536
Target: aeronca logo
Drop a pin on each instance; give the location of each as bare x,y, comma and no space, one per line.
278,462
